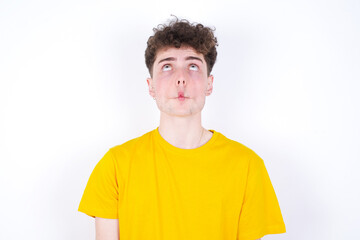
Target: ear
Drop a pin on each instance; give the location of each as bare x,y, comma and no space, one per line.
151,87
209,86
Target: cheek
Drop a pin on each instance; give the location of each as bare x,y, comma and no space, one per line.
162,85
198,77
199,85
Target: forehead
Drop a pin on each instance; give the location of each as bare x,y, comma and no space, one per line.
177,53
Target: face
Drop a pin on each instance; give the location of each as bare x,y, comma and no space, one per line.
180,83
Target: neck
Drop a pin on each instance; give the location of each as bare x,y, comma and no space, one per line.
183,132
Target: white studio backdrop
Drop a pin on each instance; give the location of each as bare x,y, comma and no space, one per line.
73,84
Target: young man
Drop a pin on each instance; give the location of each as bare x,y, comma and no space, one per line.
180,180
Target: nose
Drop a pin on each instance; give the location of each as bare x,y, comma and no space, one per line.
180,80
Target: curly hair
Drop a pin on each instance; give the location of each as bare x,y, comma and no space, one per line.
180,33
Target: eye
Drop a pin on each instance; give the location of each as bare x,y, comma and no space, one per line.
193,67
166,67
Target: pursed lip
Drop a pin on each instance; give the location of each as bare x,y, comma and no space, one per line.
181,95
181,98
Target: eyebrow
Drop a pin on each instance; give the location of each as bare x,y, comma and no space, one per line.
193,58
173,59
167,59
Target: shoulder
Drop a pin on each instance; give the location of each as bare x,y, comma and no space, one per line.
131,145
119,157
235,145
238,150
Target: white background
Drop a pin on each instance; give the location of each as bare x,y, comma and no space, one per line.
73,84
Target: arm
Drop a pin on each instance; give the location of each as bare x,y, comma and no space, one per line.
106,229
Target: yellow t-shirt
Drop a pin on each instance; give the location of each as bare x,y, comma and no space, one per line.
219,191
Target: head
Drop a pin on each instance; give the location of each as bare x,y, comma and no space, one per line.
182,33
180,57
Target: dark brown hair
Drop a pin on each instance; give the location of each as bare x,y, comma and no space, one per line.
180,33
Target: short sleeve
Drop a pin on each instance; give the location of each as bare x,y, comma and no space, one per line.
100,198
260,213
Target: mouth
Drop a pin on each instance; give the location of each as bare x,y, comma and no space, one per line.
181,98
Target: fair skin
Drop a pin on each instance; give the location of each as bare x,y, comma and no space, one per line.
106,229
180,85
